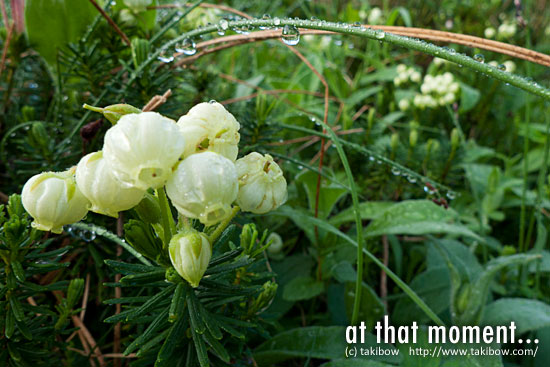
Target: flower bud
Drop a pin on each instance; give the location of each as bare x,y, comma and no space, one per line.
190,253
114,112
413,138
276,245
141,149
203,187
106,194
210,127
394,141
455,138
53,199
262,186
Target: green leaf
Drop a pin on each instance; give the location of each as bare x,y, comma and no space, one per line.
480,288
368,210
329,194
52,24
528,314
301,288
309,221
417,217
314,342
468,97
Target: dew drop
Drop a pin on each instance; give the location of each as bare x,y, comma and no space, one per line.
395,171
265,17
451,195
479,58
379,34
187,47
411,178
276,21
166,56
290,35
224,25
501,67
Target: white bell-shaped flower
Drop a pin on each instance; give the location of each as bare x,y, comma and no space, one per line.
210,127
262,186
142,148
106,194
53,199
203,187
190,253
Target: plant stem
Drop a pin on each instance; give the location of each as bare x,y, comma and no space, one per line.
167,220
403,41
223,225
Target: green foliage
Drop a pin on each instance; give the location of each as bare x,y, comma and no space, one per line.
449,202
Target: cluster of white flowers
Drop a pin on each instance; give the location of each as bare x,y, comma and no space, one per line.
375,16
507,30
194,158
436,91
406,74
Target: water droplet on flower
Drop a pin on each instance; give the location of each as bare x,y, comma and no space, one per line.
290,35
212,101
187,47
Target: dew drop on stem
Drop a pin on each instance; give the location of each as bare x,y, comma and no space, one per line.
290,35
187,47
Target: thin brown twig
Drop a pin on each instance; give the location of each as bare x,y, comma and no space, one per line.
156,101
111,23
89,339
85,297
426,34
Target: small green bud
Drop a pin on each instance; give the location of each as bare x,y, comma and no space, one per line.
76,287
370,117
172,275
508,250
28,113
394,143
38,136
114,112
140,50
455,138
463,298
413,138
190,253
249,235
269,289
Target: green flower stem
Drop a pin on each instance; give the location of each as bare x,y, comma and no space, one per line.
223,225
167,220
100,231
358,224
403,41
